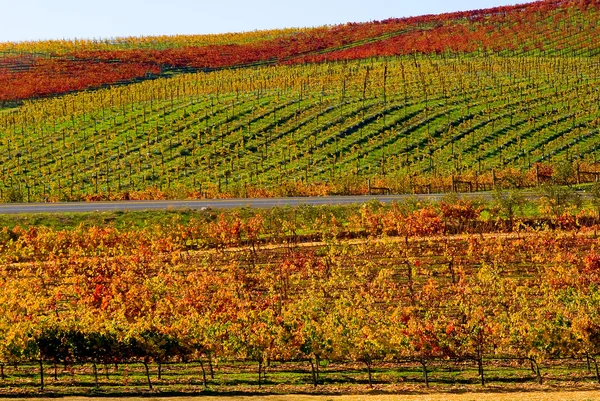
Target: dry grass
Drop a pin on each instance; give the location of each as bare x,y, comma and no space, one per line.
591,395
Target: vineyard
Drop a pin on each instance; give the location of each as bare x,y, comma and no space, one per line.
301,300
234,303
290,127
401,105
552,27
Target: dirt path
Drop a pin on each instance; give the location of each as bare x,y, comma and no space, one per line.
491,396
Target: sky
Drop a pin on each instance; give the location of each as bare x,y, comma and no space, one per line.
25,20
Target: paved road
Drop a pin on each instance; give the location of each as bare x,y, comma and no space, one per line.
199,204
74,207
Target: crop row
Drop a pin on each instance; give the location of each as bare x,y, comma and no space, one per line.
140,297
394,117
563,28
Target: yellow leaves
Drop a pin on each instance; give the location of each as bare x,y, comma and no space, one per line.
368,333
488,274
344,299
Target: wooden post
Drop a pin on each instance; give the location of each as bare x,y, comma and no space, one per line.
41,374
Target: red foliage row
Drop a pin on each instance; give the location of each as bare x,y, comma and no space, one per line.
46,77
277,49
500,28
504,28
27,77
308,42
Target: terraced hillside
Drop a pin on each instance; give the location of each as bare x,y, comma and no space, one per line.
359,106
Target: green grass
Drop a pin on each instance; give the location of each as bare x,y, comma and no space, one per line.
289,378
120,220
127,220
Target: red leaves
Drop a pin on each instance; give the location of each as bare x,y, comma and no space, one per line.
98,297
590,271
592,263
497,29
46,77
423,222
450,329
25,77
228,231
522,27
461,210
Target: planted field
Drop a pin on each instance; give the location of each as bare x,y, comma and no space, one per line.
30,70
408,121
225,304
324,301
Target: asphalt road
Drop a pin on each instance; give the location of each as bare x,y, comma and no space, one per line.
74,207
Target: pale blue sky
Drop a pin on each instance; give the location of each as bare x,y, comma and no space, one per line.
67,19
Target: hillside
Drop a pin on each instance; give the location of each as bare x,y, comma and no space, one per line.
405,103
554,27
